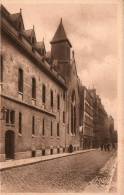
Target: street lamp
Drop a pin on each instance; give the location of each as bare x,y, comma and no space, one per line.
3,113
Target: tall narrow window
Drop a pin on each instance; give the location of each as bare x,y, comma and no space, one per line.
74,119
43,127
73,113
51,128
33,125
63,117
7,116
58,133
58,101
63,95
51,98
12,117
33,88
20,80
1,68
43,93
20,122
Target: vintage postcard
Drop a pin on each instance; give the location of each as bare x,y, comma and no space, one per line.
61,97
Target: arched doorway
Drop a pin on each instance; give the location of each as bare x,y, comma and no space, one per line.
9,144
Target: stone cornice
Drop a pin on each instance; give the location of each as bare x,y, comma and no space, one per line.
29,105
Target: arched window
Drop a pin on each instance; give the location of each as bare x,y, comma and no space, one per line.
33,88
73,113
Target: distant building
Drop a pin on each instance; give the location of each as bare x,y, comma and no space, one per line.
87,118
100,121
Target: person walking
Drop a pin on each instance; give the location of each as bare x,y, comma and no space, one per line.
101,146
108,147
105,147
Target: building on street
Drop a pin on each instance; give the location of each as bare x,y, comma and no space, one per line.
43,103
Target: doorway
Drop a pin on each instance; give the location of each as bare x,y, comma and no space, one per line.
9,144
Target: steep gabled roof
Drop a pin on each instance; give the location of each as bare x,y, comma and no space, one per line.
16,18
29,34
60,34
40,46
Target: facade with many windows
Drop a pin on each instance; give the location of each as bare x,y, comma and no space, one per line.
86,123
40,107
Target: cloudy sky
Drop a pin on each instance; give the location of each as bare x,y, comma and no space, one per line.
92,29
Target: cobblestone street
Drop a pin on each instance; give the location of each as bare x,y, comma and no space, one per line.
66,174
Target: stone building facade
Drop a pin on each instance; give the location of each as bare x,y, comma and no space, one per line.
100,121
87,125
40,105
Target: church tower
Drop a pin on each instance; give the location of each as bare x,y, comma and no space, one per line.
60,49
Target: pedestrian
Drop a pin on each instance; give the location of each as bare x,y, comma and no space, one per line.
108,147
105,147
101,147
113,146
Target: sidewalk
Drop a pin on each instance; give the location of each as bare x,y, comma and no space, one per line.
106,179
22,162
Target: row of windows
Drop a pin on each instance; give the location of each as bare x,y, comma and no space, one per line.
88,109
20,89
10,119
88,120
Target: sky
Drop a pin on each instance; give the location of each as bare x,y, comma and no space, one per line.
92,29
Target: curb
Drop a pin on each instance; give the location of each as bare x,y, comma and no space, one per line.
39,159
112,175
93,186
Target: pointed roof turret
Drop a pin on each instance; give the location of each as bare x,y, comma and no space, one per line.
60,34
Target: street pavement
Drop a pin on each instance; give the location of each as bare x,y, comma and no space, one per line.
66,174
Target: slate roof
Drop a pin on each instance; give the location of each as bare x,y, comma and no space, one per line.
60,34
15,17
28,33
40,45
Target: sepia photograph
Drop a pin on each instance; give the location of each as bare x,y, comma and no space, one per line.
61,97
